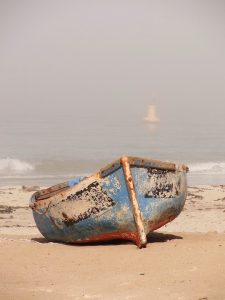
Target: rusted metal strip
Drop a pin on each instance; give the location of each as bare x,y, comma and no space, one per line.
142,241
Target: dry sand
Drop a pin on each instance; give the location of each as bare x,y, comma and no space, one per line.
184,260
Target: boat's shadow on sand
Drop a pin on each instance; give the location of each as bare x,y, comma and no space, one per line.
154,237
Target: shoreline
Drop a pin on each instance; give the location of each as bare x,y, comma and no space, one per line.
50,180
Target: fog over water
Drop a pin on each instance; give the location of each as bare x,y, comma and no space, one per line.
77,78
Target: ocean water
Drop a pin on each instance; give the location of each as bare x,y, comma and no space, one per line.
76,82
45,149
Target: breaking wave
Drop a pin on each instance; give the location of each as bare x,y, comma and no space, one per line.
49,172
15,166
207,168
51,167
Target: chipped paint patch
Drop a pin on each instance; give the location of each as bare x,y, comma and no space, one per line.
163,184
112,184
128,203
82,205
158,183
122,213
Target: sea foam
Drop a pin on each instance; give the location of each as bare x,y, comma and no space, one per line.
207,168
13,165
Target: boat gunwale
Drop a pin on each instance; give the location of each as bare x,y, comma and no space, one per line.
134,161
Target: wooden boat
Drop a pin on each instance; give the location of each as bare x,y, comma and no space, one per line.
127,199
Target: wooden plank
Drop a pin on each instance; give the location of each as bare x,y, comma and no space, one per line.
157,164
51,191
110,168
151,163
135,206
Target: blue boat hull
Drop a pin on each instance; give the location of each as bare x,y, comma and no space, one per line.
126,200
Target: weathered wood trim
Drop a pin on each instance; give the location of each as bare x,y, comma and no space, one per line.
141,162
156,164
51,191
142,240
151,163
110,168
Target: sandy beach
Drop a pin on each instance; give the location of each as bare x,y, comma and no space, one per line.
184,260
128,99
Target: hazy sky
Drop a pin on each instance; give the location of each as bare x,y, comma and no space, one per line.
92,57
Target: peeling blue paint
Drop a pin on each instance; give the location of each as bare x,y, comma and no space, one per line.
100,205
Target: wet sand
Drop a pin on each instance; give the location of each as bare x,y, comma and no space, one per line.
183,260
